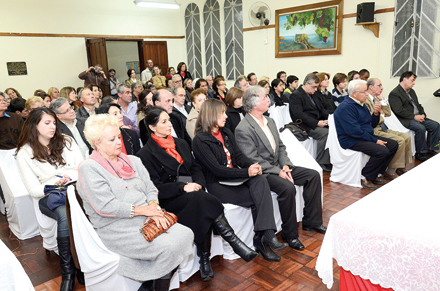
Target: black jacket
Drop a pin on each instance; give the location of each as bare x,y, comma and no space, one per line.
210,153
233,117
80,126
82,113
131,141
163,167
326,100
402,105
301,107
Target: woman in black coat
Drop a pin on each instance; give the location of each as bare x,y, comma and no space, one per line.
182,71
130,139
166,159
234,111
323,94
222,161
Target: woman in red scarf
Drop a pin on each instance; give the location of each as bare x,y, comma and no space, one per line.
168,160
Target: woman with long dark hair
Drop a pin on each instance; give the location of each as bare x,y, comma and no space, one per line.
276,93
44,155
182,70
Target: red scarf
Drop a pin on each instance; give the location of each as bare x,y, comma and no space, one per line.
168,145
123,168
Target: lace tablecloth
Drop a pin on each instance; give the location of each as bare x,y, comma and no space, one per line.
390,237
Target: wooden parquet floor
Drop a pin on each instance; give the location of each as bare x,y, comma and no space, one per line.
296,271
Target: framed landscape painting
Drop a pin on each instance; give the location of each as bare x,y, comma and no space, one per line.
309,30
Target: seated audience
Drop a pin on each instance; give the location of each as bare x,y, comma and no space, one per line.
131,73
94,75
364,74
163,157
128,123
339,93
18,106
182,72
353,75
8,102
188,86
158,80
88,104
252,79
234,110
170,73
323,94
46,99
282,76
70,125
170,83
152,88
241,83
129,139
70,94
403,155
222,161
276,93
43,155
39,91
10,125
13,93
177,81
128,108
210,81
291,85
264,78
306,105
202,83
34,102
219,87
95,90
119,198
265,85
198,96
258,139
136,90
145,101
355,127
180,109
405,105
53,92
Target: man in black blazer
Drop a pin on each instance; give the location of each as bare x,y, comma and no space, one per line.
180,109
405,105
305,105
70,125
88,100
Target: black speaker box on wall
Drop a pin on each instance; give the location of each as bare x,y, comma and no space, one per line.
365,12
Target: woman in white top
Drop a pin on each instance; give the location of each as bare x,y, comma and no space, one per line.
47,157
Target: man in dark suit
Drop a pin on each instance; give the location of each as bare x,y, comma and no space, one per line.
305,105
258,138
88,100
405,105
70,125
180,109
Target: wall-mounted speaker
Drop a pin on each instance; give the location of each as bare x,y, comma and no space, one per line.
365,12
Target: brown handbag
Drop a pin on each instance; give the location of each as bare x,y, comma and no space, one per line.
151,230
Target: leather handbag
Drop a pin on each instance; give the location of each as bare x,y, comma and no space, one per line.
151,230
296,130
183,179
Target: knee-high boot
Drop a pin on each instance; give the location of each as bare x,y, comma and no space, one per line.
67,264
163,284
204,252
222,226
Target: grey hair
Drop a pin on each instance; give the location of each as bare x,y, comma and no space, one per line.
355,85
175,90
3,94
57,103
175,76
310,79
251,97
132,86
80,93
121,88
371,82
237,82
95,125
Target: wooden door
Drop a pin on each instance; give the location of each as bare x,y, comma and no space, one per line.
97,54
156,51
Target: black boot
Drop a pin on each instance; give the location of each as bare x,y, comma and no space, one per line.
204,252
266,252
163,284
222,226
80,277
67,264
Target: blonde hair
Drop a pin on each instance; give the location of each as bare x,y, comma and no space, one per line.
264,78
50,91
209,114
95,124
31,100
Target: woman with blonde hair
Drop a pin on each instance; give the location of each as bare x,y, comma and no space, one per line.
70,94
53,92
13,93
34,102
158,80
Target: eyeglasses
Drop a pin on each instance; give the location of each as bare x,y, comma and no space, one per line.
71,108
315,86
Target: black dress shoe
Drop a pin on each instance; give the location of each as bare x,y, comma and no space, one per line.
265,250
432,153
294,243
321,228
325,168
274,243
421,157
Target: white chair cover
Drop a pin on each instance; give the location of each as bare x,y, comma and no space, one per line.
2,206
19,204
393,123
347,164
12,275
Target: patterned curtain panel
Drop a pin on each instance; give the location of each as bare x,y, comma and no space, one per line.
193,41
211,17
234,39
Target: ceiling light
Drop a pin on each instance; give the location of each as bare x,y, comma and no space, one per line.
151,4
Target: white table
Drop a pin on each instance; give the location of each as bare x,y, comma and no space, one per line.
12,275
391,237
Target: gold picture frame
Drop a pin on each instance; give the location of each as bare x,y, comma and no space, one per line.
309,30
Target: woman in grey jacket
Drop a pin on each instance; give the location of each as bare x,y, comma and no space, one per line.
119,197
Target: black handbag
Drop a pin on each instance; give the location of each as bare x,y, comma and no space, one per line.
295,128
183,179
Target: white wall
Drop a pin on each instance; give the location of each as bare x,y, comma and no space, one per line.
120,52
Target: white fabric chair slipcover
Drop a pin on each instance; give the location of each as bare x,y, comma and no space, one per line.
2,206
347,164
19,204
12,275
393,123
